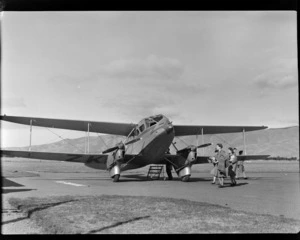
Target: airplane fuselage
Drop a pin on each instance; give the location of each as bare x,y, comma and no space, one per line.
155,141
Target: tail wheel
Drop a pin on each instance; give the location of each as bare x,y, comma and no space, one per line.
116,178
185,178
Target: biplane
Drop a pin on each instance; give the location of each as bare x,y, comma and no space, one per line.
146,142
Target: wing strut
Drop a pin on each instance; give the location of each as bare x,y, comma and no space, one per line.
244,137
85,142
30,135
202,140
88,146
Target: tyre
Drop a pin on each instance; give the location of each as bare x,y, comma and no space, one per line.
116,178
185,178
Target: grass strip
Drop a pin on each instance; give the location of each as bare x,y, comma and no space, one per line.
113,214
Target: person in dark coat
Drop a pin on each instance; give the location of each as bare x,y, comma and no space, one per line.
169,167
232,162
221,157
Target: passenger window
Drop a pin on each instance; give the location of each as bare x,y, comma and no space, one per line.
142,128
147,123
152,123
136,132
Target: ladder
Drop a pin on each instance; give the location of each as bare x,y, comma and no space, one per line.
155,171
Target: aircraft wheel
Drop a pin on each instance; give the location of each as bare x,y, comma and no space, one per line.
116,178
185,178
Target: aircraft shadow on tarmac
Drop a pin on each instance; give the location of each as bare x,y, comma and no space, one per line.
142,177
4,191
9,183
237,185
135,177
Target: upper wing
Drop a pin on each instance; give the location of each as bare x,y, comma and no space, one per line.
99,127
184,130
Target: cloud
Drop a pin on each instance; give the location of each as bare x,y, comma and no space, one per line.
281,75
282,122
135,87
13,102
185,88
270,80
140,105
150,67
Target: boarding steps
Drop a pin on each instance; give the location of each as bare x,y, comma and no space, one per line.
155,171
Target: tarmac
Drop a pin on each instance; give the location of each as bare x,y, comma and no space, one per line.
274,193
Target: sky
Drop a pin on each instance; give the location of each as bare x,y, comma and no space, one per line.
195,67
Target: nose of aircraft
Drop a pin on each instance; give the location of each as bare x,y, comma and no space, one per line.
168,128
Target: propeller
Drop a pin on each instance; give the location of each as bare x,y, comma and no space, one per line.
193,148
120,145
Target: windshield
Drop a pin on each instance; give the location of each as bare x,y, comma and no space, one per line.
157,118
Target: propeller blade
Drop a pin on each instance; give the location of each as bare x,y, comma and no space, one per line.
110,149
120,145
192,147
204,145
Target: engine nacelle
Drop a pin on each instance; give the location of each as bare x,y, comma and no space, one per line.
115,170
113,163
185,172
119,154
192,156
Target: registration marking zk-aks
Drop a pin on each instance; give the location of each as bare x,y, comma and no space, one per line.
69,183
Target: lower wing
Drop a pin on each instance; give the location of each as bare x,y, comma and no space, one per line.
68,157
204,159
178,161
87,159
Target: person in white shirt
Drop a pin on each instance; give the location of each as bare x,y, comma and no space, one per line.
240,168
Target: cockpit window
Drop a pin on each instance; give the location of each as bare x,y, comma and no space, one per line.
157,118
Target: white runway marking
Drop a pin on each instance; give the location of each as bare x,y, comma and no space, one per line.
32,171
69,183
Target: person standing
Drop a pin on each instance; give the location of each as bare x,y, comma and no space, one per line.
232,163
169,167
214,171
241,167
221,157
235,165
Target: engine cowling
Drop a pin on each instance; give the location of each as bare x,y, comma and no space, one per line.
114,162
188,155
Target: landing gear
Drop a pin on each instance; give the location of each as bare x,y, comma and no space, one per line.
115,172
185,174
185,178
116,178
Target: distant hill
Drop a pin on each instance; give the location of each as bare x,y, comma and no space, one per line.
283,142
